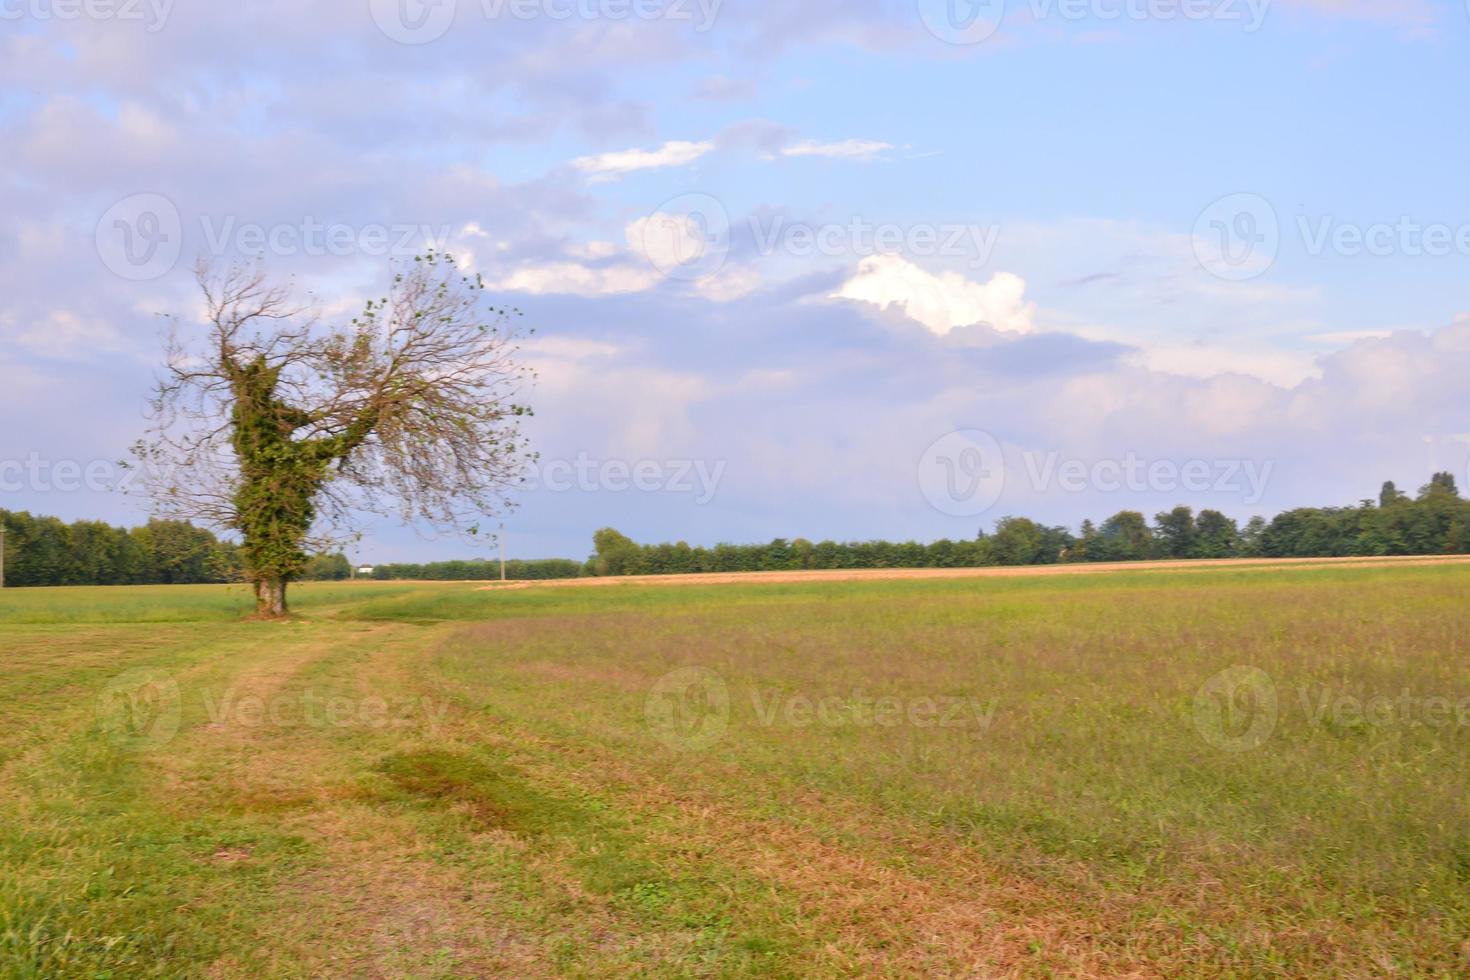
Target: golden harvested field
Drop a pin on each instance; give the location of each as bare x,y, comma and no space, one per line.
887,574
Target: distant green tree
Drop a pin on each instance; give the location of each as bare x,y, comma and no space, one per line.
327,568
1022,541
1390,495
1175,533
1250,537
1217,536
1082,548
43,551
1440,484
1124,537
614,553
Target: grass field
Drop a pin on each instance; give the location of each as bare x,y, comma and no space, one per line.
1224,772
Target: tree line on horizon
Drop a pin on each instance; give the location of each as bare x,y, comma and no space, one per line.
1435,521
42,551
480,570
45,551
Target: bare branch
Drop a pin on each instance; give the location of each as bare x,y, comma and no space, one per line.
413,408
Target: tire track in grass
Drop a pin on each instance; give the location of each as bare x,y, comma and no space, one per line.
367,901
842,910
381,894
851,912
107,876
591,897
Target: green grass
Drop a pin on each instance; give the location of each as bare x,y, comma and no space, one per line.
1028,776
102,605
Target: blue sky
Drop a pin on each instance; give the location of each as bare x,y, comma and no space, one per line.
1115,237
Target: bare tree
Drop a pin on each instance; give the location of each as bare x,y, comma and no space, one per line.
280,428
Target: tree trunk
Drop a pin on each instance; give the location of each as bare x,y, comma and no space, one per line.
270,598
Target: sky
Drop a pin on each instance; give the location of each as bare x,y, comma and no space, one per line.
837,268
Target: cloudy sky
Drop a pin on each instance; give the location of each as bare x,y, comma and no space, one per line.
841,268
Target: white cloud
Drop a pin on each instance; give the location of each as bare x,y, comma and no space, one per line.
668,241
863,150
612,404
1342,338
62,335
941,302
678,153
609,166
574,278
1284,368
571,348
594,250
730,283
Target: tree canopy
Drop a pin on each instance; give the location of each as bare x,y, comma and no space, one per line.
282,429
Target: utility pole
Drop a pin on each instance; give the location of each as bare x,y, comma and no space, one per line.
501,536
2,556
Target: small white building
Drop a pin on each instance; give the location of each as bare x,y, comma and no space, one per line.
365,570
